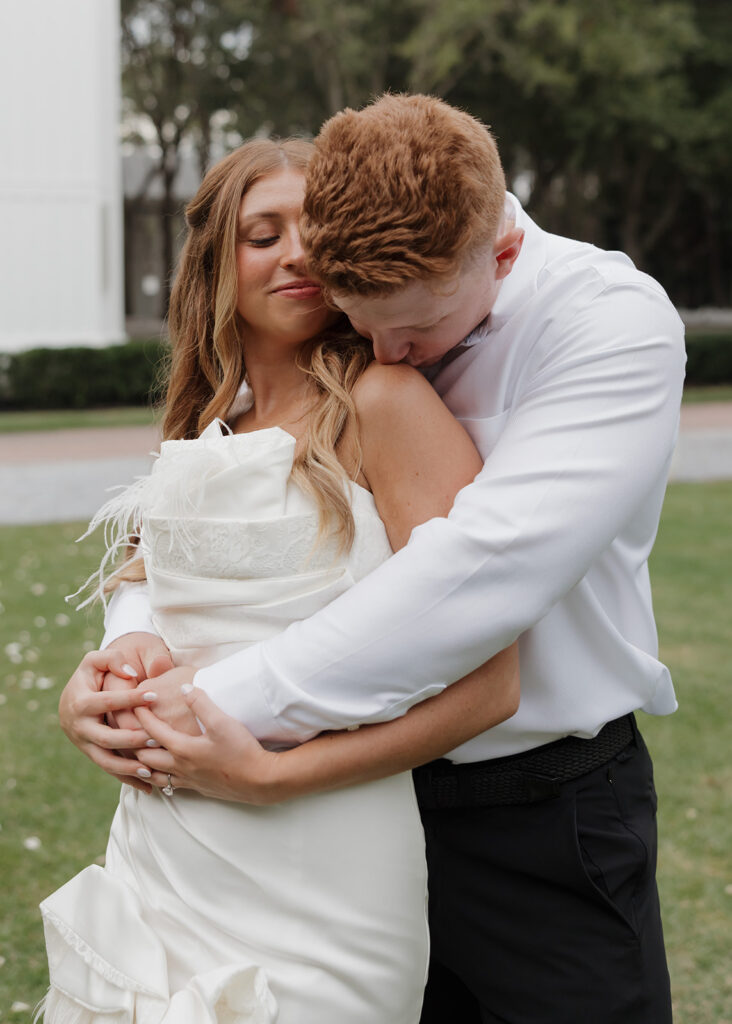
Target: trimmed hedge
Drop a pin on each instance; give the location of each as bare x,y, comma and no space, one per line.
709,358
82,378
87,378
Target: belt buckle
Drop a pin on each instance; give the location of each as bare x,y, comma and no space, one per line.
540,787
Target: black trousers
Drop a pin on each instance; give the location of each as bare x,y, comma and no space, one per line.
547,913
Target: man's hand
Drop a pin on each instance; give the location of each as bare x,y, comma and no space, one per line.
124,719
225,762
170,706
146,653
83,708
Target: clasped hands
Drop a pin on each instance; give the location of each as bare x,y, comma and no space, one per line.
139,718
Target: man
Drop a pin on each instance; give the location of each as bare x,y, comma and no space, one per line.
565,364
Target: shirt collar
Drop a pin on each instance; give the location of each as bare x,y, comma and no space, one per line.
514,289
521,282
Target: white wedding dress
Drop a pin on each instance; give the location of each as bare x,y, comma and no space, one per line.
307,912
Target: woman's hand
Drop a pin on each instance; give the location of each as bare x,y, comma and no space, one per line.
225,762
84,707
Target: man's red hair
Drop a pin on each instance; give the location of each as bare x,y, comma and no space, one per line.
407,188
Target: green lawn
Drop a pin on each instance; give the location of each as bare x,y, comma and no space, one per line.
711,393
65,419
56,807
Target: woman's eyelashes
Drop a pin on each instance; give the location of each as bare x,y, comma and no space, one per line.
262,243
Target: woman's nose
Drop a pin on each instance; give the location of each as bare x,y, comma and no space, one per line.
292,252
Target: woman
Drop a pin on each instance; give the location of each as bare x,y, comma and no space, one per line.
310,910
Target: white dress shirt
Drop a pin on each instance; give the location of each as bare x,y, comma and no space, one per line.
571,391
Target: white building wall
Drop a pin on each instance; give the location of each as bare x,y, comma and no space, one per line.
61,259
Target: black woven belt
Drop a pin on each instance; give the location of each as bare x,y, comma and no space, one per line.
520,778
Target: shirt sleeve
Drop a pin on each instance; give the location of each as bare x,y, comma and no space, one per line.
128,611
587,442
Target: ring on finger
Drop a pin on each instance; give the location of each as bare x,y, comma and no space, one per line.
169,789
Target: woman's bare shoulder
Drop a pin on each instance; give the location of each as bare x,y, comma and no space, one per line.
395,389
415,454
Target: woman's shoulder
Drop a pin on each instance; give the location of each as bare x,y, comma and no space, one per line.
394,388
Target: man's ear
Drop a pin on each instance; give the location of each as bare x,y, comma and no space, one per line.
506,249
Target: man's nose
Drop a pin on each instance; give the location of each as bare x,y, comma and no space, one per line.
388,349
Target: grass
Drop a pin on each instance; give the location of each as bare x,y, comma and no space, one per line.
50,792
66,419
692,586
695,393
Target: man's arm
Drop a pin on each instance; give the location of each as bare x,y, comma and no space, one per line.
227,763
590,438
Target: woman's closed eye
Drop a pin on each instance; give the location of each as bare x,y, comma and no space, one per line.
262,243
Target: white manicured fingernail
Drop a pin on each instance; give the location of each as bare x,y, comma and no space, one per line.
130,670
186,688
151,743
150,695
143,773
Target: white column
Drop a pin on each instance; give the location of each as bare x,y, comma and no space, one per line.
61,259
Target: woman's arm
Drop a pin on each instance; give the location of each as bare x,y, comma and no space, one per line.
487,696
415,454
228,763
415,458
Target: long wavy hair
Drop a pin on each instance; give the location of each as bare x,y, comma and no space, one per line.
207,338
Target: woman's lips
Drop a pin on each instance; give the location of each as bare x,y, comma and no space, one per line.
299,290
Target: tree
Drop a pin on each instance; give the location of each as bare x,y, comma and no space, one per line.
590,100
177,59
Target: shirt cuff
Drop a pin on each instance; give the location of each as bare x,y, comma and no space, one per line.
128,612
233,684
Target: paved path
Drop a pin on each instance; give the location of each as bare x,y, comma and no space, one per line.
65,475
704,449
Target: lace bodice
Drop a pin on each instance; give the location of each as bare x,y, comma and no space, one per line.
230,543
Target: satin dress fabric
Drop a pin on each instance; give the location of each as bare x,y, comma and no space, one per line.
312,911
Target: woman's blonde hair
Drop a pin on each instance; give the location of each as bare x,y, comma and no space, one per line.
207,347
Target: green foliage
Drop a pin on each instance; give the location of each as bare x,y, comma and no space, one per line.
132,375
82,378
709,359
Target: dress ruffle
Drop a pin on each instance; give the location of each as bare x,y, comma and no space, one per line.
111,968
